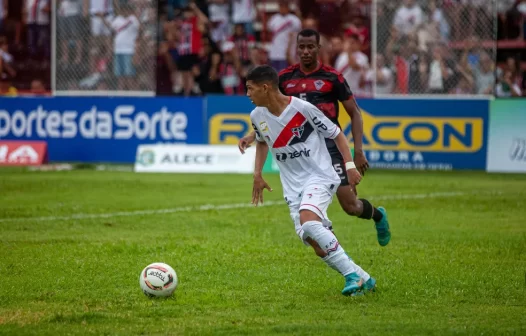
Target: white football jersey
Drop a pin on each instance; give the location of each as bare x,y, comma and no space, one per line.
297,142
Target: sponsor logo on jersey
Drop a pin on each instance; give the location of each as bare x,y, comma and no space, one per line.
283,157
291,85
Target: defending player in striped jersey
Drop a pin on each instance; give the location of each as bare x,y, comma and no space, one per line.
295,130
323,86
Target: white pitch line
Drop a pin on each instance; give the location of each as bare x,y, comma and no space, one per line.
206,207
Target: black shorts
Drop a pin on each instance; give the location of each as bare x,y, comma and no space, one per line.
337,161
187,62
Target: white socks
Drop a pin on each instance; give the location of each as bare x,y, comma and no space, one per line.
336,257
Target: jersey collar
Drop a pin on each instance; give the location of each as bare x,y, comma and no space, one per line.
313,71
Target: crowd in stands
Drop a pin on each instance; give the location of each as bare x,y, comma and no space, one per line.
208,46
106,45
25,47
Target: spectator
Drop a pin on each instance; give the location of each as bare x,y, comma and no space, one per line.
69,25
353,64
7,73
37,87
335,48
484,75
3,14
382,76
100,41
244,13
189,46
507,87
231,71
126,29
218,17
208,70
281,25
243,42
358,27
437,18
7,70
37,17
165,70
408,17
440,72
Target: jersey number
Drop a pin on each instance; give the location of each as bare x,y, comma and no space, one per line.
303,96
338,169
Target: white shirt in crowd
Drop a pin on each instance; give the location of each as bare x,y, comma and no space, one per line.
126,32
70,8
387,86
101,6
35,12
243,11
281,26
296,140
218,12
353,76
407,19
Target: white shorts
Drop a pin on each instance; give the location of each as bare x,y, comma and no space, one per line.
98,28
315,198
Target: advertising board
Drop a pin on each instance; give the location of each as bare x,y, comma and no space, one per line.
507,136
101,129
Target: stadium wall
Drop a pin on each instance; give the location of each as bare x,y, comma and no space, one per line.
403,134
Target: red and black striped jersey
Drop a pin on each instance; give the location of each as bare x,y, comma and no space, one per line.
323,87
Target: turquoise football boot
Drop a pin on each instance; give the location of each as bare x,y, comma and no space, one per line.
368,286
353,284
383,233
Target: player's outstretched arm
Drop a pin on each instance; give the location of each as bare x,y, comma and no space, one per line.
352,109
245,141
350,167
259,183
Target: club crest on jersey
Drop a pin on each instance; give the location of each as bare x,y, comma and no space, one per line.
304,86
263,126
297,131
319,84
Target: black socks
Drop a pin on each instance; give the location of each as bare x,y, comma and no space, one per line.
370,212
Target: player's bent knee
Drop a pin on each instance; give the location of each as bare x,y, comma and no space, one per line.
307,215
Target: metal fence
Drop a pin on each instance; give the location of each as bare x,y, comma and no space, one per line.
423,47
105,50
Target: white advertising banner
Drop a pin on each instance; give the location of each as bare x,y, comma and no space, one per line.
507,136
164,158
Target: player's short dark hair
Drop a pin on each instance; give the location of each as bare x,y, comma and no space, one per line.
308,33
263,73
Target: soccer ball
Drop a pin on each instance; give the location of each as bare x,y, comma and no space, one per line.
158,279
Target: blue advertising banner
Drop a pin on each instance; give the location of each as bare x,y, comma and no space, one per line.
101,129
228,118
398,134
423,134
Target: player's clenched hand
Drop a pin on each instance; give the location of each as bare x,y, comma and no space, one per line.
361,162
257,189
245,142
354,177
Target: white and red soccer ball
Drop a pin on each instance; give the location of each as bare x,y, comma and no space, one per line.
158,279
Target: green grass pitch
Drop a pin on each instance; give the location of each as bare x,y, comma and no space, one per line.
72,248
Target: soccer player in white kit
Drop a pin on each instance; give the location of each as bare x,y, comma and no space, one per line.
294,131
